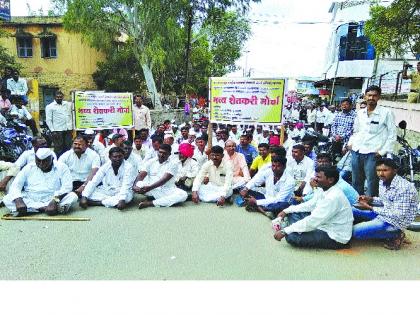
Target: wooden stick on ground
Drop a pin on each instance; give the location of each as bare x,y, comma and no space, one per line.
36,218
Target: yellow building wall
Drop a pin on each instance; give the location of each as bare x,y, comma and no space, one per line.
72,69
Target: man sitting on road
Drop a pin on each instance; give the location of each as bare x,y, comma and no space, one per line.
214,180
116,177
188,169
117,141
247,149
138,147
241,174
43,186
263,158
157,180
391,212
82,162
131,158
279,187
326,225
24,159
200,154
300,167
154,150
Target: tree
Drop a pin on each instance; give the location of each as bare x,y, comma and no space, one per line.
154,28
395,28
7,60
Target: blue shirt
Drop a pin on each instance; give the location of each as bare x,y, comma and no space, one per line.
351,194
249,152
343,125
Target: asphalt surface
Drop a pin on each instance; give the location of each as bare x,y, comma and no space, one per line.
188,242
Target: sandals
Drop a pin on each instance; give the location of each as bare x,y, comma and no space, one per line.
396,243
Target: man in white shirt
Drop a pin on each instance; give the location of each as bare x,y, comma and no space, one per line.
300,167
153,152
326,225
141,115
117,177
138,148
18,86
117,141
200,154
59,121
214,180
374,135
131,158
279,187
82,162
43,186
95,144
157,180
241,174
188,168
24,159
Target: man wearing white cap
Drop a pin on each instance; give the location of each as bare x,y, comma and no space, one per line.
43,186
82,162
116,176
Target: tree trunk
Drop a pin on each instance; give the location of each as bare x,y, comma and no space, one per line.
151,86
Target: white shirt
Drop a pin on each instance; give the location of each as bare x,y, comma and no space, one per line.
321,116
17,88
141,116
59,117
80,168
22,112
301,171
99,148
27,157
150,154
280,191
189,169
374,133
142,152
332,214
200,157
119,185
135,161
39,186
156,170
330,118
220,176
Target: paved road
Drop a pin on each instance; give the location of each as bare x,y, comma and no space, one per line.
201,242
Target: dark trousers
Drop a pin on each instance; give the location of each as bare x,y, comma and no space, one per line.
276,207
363,167
77,184
62,141
312,239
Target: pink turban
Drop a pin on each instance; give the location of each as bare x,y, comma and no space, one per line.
186,149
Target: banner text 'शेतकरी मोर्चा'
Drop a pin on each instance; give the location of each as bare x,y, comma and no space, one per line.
258,101
100,110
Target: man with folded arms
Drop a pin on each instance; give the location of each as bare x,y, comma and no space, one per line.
214,181
43,186
82,162
328,224
116,176
279,187
157,180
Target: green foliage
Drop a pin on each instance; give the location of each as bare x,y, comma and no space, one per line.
7,60
395,28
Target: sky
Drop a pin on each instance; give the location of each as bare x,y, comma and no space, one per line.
280,46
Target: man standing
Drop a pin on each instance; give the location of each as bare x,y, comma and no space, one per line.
374,136
413,96
18,86
141,115
116,177
43,186
327,225
214,181
385,217
157,179
279,188
59,121
82,162
342,125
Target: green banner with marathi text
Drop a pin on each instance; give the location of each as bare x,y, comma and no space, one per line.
246,100
100,110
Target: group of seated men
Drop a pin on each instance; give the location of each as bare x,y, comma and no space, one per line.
167,170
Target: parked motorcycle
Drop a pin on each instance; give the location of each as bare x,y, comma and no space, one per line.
14,141
46,133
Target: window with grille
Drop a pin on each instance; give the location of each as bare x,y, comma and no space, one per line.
24,47
48,47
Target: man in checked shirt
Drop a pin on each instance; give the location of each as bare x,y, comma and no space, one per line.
342,125
385,217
